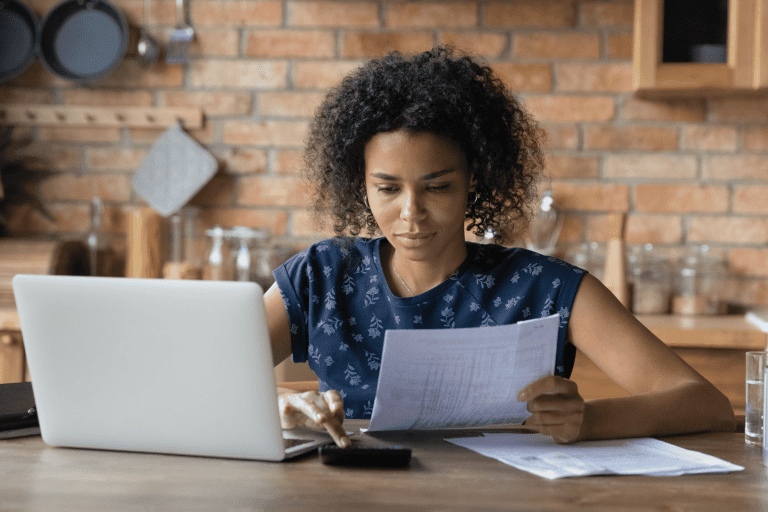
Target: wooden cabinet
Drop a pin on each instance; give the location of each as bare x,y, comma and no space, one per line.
661,73
12,359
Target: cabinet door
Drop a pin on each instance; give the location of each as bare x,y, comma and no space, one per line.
743,72
11,357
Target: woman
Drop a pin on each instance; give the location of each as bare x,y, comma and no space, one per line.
423,149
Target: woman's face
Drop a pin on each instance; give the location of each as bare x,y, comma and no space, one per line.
417,186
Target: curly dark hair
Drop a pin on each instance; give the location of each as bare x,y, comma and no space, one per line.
440,92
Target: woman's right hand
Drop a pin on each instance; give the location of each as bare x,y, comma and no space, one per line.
314,409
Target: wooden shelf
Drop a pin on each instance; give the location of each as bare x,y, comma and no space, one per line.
727,332
61,115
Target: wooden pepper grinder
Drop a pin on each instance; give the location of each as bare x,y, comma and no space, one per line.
615,274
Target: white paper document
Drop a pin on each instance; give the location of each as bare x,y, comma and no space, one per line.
449,378
540,455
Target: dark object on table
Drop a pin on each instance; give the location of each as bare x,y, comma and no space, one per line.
18,416
372,456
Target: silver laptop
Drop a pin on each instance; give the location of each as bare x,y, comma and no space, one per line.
154,365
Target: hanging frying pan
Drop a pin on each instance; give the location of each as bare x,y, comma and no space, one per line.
83,40
18,38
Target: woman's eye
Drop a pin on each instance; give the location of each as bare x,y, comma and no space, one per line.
437,188
387,190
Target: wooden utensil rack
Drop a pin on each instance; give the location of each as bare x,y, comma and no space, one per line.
140,117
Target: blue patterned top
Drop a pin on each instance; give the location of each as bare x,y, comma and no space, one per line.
339,305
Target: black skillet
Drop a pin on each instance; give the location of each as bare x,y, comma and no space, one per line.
18,38
83,40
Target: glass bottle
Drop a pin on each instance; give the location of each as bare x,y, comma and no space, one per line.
100,254
216,266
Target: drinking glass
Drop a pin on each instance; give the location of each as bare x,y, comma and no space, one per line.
755,377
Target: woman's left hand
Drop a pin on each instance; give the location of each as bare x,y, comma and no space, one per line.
556,407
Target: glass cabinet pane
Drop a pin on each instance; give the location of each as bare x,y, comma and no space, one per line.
695,31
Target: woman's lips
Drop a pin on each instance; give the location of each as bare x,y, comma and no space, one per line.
413,239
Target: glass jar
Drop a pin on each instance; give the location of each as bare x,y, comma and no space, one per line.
650,276
216,266
247,251
697,283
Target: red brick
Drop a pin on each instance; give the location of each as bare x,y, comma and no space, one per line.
290,43
632,137
83,187
681,198
244,74
245,161
235,13
477,43
430,14
212,103
107,98
290,104
77,134
752,262
620,46
219,191
321,74
272,191
130,75
573,230
377,44
709,138
275,220
750,199
562,109
50,157
738,110
606,14
306,224
690,111
735,167
734,230
550,13
653,229
24,220
560,136
269,133
594,77
205,135
215,42
591,197
525,77
756,139
288,162
22,95
110,158
649,166
562,167
556,45
333,14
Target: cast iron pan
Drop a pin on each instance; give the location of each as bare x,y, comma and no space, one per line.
18,38
83,40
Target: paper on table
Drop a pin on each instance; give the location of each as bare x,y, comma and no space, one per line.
540,455
445,378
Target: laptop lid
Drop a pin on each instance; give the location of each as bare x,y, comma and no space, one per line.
152,365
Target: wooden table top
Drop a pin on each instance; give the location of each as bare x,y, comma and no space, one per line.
441,476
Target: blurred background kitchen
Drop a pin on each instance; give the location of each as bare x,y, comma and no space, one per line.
656,116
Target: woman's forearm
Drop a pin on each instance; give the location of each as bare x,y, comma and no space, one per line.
693,407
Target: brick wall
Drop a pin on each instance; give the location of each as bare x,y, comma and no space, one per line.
686,171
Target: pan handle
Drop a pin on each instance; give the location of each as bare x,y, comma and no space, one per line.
181,15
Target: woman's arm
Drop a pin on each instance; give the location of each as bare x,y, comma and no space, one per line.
667,396
301,407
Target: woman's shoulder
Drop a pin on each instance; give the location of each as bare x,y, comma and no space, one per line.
346,251
495,258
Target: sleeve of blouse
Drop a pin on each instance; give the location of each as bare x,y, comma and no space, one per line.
292,278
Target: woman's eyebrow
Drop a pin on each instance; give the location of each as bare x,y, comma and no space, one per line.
432,176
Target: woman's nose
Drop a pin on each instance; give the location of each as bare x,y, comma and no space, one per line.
413,207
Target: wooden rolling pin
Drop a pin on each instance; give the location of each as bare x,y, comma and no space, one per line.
615,274
146,229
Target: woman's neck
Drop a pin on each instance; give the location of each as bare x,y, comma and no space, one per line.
408,277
